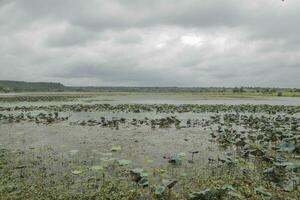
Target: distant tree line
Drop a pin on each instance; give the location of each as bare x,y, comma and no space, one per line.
4,89
279,91
19,86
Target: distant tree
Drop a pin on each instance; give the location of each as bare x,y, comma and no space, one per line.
5,89
279,94
241,89
235,90
266,90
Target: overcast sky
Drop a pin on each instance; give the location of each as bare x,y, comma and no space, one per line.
151,42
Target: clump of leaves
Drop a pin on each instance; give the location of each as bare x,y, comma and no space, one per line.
139,176
175,160
166,184
159,190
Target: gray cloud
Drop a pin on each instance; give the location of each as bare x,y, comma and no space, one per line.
78,35
151,43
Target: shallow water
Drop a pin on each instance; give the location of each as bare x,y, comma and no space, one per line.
190,99
64,146
138,144
160,99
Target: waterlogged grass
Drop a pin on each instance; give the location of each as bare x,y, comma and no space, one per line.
25,175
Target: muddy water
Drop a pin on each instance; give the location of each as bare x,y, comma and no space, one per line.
139,144
195,99
144,146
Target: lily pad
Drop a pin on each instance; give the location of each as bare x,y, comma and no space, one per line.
183,174
97,168
77,172
136,174
123,162
286,147
139,176
116,148
294,166
143,182
159,190
162,171
257,152
182,155
169,183
261,191
106,154
175,160
149,161
136,170
204,194
74,151
228,187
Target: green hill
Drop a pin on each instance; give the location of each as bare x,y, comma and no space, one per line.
21,86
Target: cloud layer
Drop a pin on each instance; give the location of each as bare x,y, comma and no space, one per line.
151,43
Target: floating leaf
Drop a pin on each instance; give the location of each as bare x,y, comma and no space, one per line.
183,174
294,166
136,174
289,185
106,154
139,176
169,183
204,194
257,152
136,170
194,152
74,151
116,148
234,195
97,168
159,190
143,182
175,160
77,172
286,147
123,162
263,192
149,161
182,155
228,187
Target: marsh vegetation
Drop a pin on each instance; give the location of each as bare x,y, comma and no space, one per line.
88,149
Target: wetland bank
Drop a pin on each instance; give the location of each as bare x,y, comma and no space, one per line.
142,100
154,146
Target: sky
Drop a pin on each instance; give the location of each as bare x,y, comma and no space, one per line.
198,43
